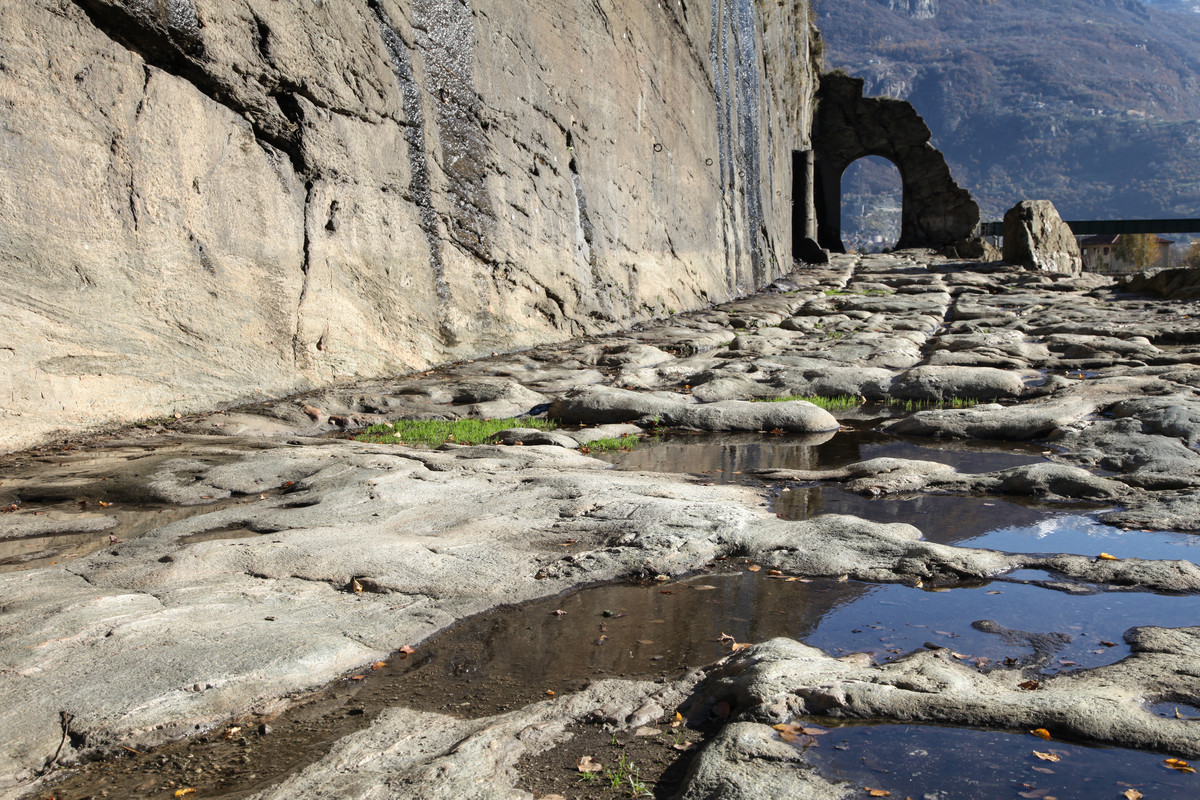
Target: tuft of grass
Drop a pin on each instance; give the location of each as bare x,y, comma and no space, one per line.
612,444
928,405
436,432
838,403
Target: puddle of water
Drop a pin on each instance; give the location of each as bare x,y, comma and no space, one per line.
511,657
220,534
730,458
132,521
943,763
996,523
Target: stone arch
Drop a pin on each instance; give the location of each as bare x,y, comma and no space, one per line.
937,212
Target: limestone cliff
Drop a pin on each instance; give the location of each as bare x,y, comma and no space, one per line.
206,201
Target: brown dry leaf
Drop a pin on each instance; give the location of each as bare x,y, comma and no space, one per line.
645,641
677,720
786,727
647,731
184,792
1047,756
589,764
754,567
1132,794
104,504
814,731
406,651
358,677
683,746
843,578
231,731
877,792
1041,733
1106,557
379,665
1029,686
774,572
733,648
550,693
1179,765
356,586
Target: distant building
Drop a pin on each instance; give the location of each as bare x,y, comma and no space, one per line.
1098,255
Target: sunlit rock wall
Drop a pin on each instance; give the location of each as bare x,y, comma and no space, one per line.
207,201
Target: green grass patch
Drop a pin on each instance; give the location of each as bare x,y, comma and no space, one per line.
436,432
839,403
929,405
611,445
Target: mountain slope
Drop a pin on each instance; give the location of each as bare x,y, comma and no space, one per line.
1090,104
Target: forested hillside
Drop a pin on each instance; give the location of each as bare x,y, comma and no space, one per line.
1089,103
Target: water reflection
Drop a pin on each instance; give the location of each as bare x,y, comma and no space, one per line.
963,764
730,457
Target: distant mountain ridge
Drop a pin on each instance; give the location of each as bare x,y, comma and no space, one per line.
1090,104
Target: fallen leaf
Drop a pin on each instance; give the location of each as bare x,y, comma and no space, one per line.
1132,794
1066,663
647,731
677,721
231,731
1041,733
814,731
645,641
184,792
754,567
589,764
1029,686
552,797
356,586
683,746
1106,557
558,612
733,648
1179,765
843,578
379,665
406,651
1043,770
550,693
1047,756
1109,644
774,572
785,727
104,504
358,677
725,637
877,792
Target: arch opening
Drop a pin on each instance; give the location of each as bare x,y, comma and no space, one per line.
872,201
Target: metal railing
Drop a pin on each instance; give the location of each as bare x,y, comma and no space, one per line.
1099,226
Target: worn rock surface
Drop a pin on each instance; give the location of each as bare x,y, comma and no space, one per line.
222,563
222,200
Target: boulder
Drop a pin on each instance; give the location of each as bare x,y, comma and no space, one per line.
1036,238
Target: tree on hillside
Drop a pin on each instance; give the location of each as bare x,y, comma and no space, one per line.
1192,259
1138,250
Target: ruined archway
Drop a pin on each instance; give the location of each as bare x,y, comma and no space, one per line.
936,211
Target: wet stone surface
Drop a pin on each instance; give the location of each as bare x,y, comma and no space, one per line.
996,535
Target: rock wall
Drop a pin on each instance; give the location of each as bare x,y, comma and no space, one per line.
207,201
